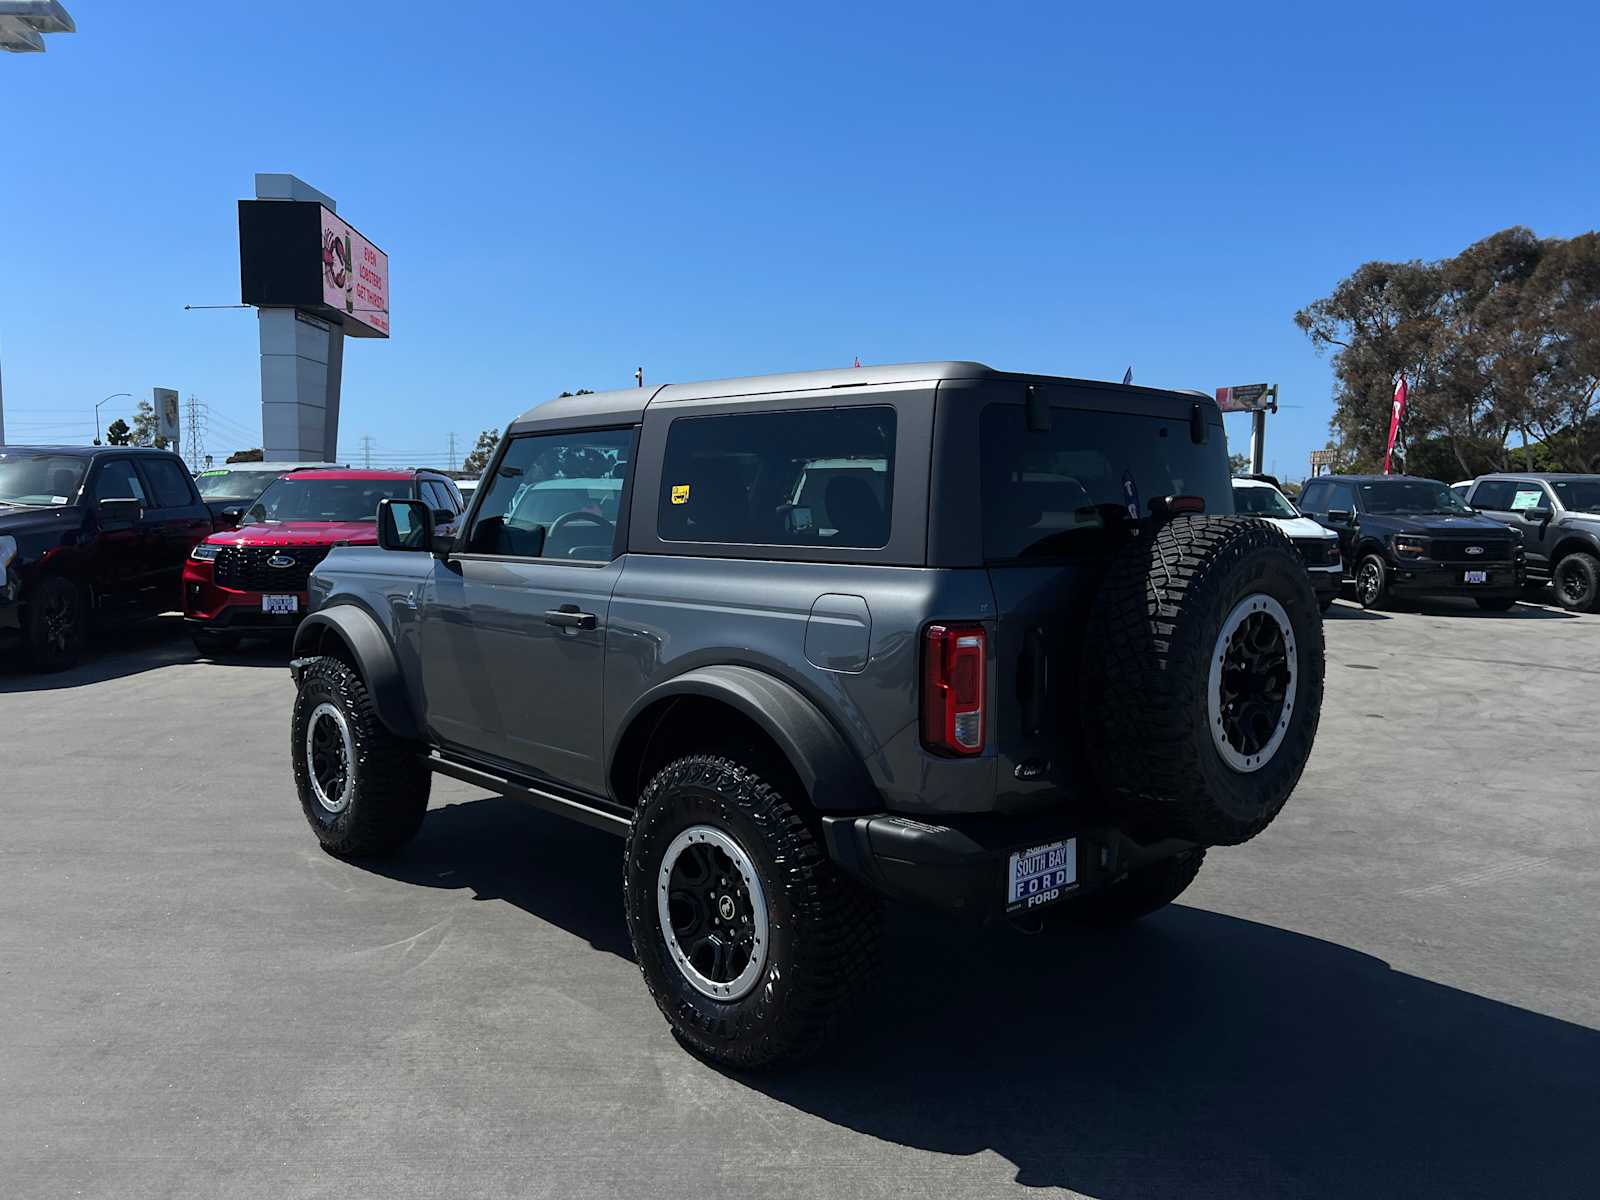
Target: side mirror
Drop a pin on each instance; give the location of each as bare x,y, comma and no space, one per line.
405,525
1538,514
119,514
1339,516
229,517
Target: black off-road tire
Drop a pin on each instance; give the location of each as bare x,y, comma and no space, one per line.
55,624
823,927
1326,602
209,642
1577,582
387,795
1148,691
1496,603
1143,891
1372,582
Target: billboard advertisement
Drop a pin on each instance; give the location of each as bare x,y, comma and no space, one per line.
297,254
165,402
355,274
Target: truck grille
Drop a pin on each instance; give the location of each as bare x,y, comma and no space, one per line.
245,569
1454,550
1318,552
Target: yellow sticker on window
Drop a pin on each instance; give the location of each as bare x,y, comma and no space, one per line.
680,493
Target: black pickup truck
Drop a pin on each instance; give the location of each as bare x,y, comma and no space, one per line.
1404,536
89,536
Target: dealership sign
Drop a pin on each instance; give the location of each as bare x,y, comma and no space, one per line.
298,254
1251,397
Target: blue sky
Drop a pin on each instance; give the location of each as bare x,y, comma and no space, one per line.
567,192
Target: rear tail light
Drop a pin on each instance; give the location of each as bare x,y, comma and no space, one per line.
954,666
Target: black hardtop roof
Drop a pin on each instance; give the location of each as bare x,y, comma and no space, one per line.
88,451
1378,478
625,406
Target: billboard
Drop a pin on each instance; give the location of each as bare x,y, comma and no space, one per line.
165,402
1249,397
297,254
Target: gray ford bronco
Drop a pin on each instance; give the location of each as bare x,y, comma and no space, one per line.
934,634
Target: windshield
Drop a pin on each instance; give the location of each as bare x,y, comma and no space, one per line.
223,484
1263,501
292,499
1579,495
39,478
1412,497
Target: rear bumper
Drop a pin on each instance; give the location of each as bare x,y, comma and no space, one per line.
964,868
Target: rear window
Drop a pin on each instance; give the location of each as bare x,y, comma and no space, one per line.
817,477
1061,491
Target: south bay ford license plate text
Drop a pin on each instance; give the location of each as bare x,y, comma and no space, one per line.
1041,874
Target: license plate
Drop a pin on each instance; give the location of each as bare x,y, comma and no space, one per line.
1476,577
280,604
1041,874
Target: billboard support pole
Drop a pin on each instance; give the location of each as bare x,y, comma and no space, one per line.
302,361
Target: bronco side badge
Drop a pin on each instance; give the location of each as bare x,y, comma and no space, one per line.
1130,495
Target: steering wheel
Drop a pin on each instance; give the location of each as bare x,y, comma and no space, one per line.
578,517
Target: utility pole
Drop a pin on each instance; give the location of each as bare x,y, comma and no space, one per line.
195,441
366,450
452,452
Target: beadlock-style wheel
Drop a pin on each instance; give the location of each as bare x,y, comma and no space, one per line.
1251,691
713,913
331,755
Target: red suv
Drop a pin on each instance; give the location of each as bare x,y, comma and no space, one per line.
252,580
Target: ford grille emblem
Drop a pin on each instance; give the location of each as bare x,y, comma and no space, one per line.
1474,549
283,560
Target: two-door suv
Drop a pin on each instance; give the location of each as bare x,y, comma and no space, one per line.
1401,536
90,537
1558,517
251,580
933,633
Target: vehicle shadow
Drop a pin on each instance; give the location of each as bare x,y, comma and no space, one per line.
1192,1055
1351,612
1523,610
118,653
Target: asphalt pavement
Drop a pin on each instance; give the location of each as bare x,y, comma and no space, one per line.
1394,991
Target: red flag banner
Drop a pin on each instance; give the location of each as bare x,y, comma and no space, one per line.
1399,411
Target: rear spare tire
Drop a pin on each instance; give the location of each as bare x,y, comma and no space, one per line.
1203,679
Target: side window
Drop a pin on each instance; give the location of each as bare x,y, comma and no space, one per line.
457,500
1494,495
556,496
1343,497
1312,499
817,477
169,482
117,480
435,496
1528,495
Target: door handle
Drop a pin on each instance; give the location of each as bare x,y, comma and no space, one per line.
568,617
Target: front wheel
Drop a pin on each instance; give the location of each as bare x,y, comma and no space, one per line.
363,790
1577,582
1372,581
55,624
750,941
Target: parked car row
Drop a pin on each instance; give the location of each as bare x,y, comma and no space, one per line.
94,537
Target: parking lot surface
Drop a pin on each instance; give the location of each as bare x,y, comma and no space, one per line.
1394,991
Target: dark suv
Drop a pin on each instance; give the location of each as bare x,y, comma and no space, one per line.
90,535
1558,517
934,633
1403,536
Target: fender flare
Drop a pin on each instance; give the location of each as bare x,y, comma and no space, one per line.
828,768
372,656
1579,541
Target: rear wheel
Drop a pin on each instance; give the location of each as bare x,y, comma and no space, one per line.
1577,582
55,625
1143,891
1372,582
363,790
750,941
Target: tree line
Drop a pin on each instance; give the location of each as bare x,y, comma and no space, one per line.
1499,346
